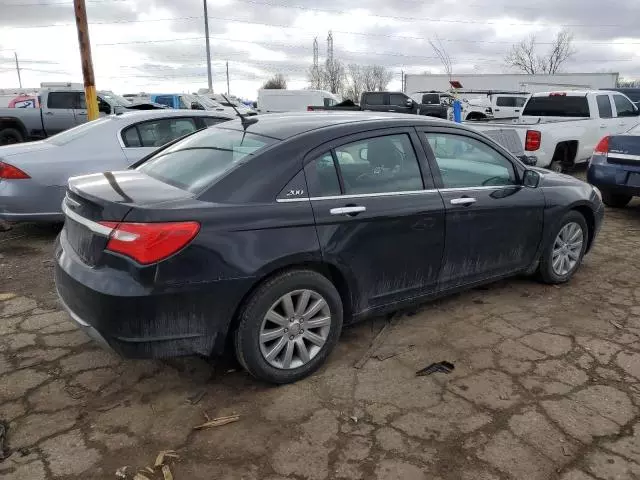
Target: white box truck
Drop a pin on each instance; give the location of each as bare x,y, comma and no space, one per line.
275,100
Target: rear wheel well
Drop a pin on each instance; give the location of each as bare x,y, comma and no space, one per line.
589,217
10,123
566,152
475,116
329,271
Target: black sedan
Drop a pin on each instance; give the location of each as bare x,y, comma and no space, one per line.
272,232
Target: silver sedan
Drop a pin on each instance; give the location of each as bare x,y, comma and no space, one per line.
33,176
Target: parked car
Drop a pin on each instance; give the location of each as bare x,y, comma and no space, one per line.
493,104
185,101
273,233
615,168
229,102
279,101
59,109
561,128
397,102
439,104
33,176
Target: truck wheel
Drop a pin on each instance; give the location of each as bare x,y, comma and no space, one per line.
557,166
10,135
615,200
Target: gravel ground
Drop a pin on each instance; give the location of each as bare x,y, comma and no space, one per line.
546,386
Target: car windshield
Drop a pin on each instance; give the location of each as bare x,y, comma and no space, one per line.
116,99
197,161
67,136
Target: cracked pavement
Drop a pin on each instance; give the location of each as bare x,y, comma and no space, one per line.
546,386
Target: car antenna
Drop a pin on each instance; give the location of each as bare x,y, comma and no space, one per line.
246,121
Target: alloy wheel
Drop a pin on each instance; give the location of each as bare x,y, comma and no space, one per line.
567,249
295,329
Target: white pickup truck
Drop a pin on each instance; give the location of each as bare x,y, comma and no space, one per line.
561,128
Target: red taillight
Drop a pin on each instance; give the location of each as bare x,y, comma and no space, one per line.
309,108
150,242
602,148
532,140
9,172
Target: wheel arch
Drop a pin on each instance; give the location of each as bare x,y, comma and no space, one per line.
566,151
12,122
332,272
590,218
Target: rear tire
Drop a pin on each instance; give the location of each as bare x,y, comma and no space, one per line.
265,315
615,200
9,136
557,166
563,253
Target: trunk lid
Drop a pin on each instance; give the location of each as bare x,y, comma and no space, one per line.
624,149
108,197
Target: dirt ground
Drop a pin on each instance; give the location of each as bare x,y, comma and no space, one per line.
546,385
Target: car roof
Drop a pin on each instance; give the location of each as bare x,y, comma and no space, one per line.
139,115
285,125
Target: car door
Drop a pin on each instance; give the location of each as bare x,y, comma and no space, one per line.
493,223
398,103
142,138
505,107
59,114
375,217
626,113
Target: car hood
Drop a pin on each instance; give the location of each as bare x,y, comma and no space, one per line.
553,179
27,147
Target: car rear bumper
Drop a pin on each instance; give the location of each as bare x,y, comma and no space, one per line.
141,322
28,201
615,178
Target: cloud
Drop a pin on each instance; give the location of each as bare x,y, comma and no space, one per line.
144,44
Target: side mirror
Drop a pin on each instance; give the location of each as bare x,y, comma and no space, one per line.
104,108
196,106
409,103
531,179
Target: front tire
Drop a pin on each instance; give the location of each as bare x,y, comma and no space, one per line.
563,253
615,200
289,326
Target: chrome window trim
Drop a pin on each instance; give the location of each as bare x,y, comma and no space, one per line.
394,194
90,224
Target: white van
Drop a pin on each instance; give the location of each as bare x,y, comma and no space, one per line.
272,100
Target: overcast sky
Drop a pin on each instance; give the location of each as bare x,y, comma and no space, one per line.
158,45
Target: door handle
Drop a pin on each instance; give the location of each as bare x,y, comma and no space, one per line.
497,109
603,126
463,201
48,113
517,111
348,210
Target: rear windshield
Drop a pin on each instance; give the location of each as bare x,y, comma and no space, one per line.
197,161
557,106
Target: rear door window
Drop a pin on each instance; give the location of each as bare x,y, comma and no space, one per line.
557,106
431,99
63,100
322,176
374,98
156,133
197,161
165,100
506,102
604,106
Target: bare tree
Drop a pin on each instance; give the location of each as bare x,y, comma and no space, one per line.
622,83
443,55
277,82
334,76
316,77
355,82
524,57
381,77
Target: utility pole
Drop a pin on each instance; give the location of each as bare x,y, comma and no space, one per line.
91,98
228,89
206,34
18,69
402,80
